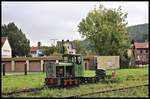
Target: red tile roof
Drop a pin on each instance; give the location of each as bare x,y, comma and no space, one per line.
3,39
33,48
141,45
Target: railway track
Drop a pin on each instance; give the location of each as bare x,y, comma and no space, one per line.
107,91
24,91
75,96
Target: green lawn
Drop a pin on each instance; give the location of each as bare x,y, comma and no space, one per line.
130,93
124,78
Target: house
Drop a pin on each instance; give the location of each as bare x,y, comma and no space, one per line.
33,51
6,50
141,52
36,51
69,45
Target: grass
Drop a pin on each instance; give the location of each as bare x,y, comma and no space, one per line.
130,93
124,78
18,82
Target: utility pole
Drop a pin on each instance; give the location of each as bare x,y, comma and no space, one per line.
54,41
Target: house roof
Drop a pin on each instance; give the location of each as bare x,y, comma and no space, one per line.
3,39
73,45
33,48
36,48
141,45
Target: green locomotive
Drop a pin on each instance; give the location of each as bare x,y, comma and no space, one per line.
70,72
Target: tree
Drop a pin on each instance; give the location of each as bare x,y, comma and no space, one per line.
48,51
146,41
80,49
39,44
105,29
19,43
52,50
132,56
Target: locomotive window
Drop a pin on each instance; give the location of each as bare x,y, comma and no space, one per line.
69,71
70,59
60,71
78,60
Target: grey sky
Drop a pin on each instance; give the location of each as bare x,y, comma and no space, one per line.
43,21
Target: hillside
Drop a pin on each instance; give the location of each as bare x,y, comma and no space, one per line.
139,32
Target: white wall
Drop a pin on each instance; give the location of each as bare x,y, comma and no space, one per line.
6,50
73,51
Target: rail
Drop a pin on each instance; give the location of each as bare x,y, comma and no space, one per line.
106,91
75,96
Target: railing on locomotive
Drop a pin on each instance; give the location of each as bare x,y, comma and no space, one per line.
74,58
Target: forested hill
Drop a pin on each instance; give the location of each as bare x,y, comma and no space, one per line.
139,33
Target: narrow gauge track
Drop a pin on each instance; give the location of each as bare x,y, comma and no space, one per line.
24,91
76,96
106,91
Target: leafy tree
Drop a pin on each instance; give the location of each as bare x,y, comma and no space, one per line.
147,41
59,48
132,56
80,49
52,50
19,43
39,44
48,51
105,29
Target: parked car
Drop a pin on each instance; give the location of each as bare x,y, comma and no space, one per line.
145,62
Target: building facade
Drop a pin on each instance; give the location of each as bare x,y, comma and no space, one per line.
33,51
36,51
34,64
6,51
69,45
141,52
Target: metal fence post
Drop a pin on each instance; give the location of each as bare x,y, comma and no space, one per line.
43,67
4,69
25,69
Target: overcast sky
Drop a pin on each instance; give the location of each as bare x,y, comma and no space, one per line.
43,21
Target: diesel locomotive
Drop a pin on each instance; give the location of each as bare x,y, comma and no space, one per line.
69,72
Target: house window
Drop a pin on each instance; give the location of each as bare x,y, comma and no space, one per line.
146,56
68,47
65,47
6,51
141,51
146,51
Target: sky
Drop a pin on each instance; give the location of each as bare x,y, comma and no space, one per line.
49,22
